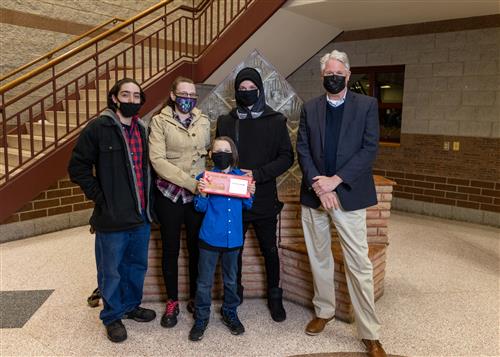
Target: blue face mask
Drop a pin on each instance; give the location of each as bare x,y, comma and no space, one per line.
184,104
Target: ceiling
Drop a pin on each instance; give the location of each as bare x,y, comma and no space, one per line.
364,14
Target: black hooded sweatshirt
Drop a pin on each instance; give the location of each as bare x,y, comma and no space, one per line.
264,147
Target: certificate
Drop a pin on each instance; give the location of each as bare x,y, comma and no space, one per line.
219,183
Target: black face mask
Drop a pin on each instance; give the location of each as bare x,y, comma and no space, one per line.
129,109
334,84
222,160
247,98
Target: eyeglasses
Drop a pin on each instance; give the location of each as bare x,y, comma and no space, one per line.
186,94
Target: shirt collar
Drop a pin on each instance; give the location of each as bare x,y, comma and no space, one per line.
336,103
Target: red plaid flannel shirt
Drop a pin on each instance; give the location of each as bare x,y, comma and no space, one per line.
136,151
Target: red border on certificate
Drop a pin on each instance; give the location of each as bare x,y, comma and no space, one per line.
219,183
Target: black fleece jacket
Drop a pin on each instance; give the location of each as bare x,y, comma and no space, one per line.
264,147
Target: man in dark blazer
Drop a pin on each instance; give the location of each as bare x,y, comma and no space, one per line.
336,145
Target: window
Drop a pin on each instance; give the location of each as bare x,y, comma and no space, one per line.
385,83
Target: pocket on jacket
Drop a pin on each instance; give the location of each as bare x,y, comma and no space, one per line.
110,154
173,155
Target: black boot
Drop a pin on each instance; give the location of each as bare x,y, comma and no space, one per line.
93,300
275,304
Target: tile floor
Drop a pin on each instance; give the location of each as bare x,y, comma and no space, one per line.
441,299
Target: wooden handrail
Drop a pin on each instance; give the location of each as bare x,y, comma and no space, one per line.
91,42
49,55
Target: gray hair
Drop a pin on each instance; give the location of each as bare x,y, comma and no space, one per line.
335,55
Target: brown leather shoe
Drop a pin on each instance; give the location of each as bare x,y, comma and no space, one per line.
317,325
374,348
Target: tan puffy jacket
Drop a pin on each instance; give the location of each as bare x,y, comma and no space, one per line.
176,153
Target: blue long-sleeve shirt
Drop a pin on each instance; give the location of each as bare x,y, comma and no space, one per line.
222,226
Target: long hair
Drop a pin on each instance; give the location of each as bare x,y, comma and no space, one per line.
116,89
234,150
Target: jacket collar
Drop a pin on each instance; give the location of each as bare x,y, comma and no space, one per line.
113,119
348,115
168,114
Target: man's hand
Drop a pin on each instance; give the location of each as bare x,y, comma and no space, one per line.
329,200
324,184
251,187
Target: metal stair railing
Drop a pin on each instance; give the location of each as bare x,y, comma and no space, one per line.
42,109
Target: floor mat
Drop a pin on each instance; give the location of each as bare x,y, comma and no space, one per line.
17,307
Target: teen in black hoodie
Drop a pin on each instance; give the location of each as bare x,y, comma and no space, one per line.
265,150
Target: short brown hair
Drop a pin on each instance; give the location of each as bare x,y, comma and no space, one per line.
234,150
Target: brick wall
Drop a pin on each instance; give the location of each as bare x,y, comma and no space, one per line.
425,172
451,94
62,197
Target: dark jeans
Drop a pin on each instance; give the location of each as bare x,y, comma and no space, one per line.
171,217
265,230
122,261
206,272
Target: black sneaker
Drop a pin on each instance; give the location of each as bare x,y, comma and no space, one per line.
169,318
140,314
198,330
116,331
231,320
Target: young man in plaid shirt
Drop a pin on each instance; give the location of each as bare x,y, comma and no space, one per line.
115,146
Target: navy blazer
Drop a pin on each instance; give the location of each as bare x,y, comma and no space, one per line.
356,150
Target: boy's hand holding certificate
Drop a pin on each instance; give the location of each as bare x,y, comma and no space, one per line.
226,185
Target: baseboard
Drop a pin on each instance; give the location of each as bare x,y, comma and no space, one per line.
33,227
445,211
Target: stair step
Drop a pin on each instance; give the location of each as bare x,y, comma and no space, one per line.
92,94
12,141
49,129
72,117
82,105
129,73
13,156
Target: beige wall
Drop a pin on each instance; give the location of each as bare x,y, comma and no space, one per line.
31,28
452,79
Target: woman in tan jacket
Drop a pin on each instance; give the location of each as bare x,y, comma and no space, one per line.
178,142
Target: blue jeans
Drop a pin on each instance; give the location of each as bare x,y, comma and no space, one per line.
206,271
122,261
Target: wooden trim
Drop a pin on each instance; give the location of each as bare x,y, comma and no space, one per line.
468,23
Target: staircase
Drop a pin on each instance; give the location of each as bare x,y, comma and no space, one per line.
43,111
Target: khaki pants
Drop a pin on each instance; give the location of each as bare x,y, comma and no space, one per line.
351,228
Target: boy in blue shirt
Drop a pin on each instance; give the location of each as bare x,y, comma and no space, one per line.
221,235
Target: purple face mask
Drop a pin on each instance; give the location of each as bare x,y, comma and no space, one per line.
184,104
